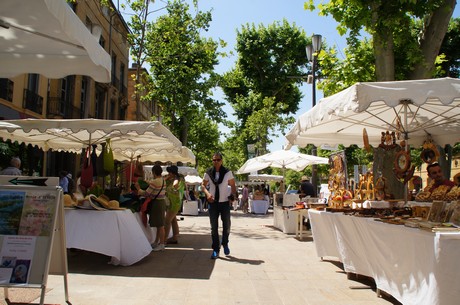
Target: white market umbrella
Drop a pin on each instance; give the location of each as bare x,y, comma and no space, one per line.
193,180
126,137
281,159
416,109
46,37
265,177
183,170
184,155
77,134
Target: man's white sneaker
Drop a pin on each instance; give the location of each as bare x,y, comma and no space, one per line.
159,247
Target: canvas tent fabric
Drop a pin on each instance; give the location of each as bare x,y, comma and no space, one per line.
76,135
265,178
414,109
46,37
281,159
184,155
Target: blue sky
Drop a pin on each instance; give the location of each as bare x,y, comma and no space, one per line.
229,15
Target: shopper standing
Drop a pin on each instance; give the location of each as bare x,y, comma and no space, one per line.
175,191
13,169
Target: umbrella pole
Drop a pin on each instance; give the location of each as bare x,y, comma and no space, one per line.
406,139
130,172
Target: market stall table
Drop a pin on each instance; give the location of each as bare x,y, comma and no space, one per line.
413,265
190,207
259,206
113,233
285,220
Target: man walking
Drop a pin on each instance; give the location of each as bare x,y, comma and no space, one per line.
219,201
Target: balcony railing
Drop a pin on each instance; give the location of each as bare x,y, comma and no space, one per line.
32,101
6,89
59,108
115,82
124,90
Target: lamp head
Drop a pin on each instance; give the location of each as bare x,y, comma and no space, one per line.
316,42
309,51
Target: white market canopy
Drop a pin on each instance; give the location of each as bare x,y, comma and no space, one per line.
77,134
264,178
190,173
184,155
281,159
417,109
46,37
193,180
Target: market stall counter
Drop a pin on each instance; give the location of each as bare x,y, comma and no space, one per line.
285,219
113,233
413,265
259,206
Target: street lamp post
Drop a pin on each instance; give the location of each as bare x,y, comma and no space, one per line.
312,56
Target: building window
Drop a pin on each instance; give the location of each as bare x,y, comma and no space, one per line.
102,42
115,81
32,101
122,79
100,100
112,109
6,89
33,82
84,96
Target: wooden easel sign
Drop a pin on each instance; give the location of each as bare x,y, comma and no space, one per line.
31,217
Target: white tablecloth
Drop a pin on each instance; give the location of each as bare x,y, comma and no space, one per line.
149,232
414,266
259,206
190,207
113,233
285,220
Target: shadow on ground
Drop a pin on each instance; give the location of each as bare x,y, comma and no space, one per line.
362,282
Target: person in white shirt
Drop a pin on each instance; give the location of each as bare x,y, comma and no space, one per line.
219,178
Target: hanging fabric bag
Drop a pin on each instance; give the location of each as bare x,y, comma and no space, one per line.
100,163
109,164
86,178
94,159
139,170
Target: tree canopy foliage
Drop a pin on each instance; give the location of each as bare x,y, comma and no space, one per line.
182,71
263,87
408,30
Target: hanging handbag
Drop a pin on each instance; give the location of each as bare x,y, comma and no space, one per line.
139,170
86,178
100,163
109,164
94,159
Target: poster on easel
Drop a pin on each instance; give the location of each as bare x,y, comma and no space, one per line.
31,226
15,259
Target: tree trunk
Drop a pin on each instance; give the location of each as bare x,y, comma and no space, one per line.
184,130
383,48
435,29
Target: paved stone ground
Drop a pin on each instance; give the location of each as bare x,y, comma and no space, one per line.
265,267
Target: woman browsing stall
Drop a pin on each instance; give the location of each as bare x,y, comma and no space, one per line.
155,206
175,187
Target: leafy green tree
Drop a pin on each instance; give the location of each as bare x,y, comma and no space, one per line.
182,65
139,26
263,87
415,25
450,48
181,69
